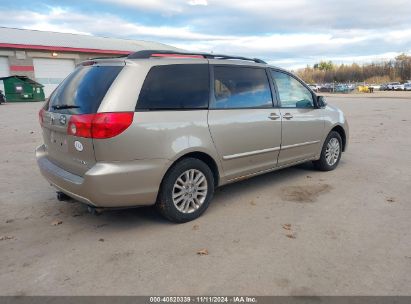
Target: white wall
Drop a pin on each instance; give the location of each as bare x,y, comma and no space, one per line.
4,70
50,72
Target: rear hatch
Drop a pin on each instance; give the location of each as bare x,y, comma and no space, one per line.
77,98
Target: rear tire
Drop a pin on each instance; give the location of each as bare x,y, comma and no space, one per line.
186,191
330,153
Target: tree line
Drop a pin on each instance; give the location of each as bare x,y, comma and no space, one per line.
398,69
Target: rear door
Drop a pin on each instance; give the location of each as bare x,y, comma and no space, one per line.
244,125
80,93
302,122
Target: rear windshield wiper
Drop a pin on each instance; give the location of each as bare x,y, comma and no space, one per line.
62,107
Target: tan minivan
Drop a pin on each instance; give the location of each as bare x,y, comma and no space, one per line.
166,128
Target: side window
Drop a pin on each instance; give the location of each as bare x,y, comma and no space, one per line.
241,87
292,93
176,86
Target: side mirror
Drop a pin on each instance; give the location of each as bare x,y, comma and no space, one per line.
321,102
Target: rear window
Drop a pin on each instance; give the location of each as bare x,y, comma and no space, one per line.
177,86
83,90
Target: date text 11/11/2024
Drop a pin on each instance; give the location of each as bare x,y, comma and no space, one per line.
203,299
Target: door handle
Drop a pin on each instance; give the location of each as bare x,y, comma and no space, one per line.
287,116
274,116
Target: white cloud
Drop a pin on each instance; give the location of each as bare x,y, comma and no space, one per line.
163,6
197,2
280,15
102,24
56,20
45,26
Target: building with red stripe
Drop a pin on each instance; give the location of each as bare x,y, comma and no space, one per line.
48,57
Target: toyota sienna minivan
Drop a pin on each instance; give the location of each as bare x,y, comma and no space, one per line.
165,128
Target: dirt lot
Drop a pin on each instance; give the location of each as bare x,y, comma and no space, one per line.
291,232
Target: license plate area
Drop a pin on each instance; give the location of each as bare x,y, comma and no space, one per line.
58,141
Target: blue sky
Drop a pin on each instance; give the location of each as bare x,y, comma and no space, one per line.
288,33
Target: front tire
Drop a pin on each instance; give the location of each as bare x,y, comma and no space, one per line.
186,190
330,153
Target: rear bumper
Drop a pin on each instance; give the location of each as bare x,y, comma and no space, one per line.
111,184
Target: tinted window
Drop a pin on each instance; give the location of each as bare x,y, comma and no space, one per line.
241,87
178,86
292,93
83,90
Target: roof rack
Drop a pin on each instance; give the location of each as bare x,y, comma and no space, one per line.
108,57
161,53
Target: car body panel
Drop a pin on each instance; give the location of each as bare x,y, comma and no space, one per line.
301,134
247,140
108,184
159,135
334,117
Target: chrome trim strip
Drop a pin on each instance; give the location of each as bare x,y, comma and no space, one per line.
245,154
299,145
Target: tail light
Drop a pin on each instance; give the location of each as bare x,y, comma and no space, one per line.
106,125
99,125
80,125
41,116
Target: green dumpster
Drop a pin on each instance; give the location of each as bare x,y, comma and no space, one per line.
22,88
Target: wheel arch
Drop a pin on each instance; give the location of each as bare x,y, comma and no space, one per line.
340,130
203,156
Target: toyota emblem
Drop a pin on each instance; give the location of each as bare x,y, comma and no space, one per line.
62,120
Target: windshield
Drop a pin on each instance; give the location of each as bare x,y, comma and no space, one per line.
83,90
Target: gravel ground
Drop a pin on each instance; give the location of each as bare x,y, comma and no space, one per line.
292,232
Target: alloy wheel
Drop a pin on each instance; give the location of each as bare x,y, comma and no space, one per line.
190,191
332,152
